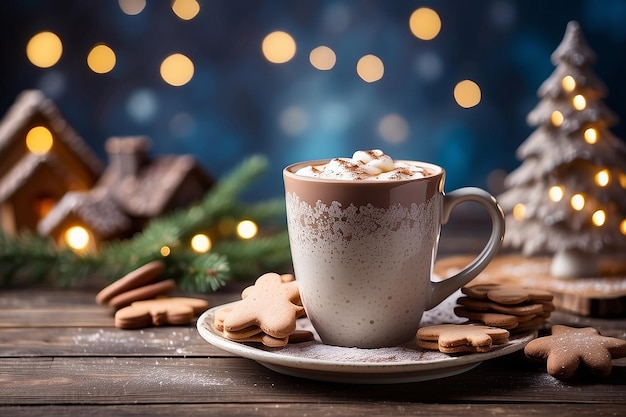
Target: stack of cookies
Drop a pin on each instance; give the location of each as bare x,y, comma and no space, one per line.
139,299
516,309
266,313
143,283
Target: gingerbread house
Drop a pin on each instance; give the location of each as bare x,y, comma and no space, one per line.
133,189
41,159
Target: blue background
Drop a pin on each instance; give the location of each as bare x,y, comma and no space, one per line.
233,105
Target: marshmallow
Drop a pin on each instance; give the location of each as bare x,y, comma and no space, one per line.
364,165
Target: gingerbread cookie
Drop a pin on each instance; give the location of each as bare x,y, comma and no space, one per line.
270,303
159,312
141,276
457,338
507,294
145,292
568,348
266,313
514,308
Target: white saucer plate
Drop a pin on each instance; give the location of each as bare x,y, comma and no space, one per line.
317,361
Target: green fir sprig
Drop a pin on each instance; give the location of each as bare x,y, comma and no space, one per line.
29,258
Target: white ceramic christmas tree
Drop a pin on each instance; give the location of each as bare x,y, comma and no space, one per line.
568,197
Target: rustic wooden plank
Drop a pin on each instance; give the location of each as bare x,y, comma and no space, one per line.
320,410
67,316
110,380
59,308
175,341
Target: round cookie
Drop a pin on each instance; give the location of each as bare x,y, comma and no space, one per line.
137,278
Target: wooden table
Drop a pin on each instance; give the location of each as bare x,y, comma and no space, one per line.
60,354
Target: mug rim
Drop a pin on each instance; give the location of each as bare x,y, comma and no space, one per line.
290,169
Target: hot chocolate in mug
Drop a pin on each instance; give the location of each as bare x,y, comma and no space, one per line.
364,238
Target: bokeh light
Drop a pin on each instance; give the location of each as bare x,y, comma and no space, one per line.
39,140
568,83
598,218
165,250
132,7
579,102
577,202
323,58
602,178
393,128
293,121
278,47
556,118
622,227
591,135
44,49
425,23
186,9
370,68
177,70
101,59
467,94
247,229
77,238
201,243
519,211
556,193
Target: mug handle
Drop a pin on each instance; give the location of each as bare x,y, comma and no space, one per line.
441,290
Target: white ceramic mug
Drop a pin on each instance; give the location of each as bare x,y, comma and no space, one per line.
363,251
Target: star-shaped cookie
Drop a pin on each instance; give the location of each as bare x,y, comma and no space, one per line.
568,348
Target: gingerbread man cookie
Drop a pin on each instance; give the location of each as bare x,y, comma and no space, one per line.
456,338
270,303
568,348
159,312
266,313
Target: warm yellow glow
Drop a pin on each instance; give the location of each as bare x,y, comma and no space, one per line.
77,237
622,180
201,243
247,229
519,211
323,58
370,68
577,202
132,7
579,102
101,59
467,94
425,23
569,83
278,47
44,49
602,178
598,218
556,193
177,70
186,9
39,140
622,227
591,135
165,251
556,118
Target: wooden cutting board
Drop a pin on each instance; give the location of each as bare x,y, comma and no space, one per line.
602,296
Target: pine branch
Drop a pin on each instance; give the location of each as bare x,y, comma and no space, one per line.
32,258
